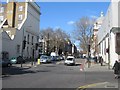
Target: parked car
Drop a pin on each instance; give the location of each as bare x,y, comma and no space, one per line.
70,60
5,63
45,59
53,58
57,58
61,57
17,60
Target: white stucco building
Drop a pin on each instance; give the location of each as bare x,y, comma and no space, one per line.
108,42
20,22
96,27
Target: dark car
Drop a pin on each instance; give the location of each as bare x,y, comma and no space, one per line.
17,60
5,63
53,58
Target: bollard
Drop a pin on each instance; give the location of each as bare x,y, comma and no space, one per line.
38,61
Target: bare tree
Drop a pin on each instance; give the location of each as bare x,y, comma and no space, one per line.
56,39
83,32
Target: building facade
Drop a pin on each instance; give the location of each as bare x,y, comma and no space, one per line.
94,47
19,23
109,34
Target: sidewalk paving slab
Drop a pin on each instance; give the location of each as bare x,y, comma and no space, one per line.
97,67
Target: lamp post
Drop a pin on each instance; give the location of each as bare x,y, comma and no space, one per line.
88,47
48,45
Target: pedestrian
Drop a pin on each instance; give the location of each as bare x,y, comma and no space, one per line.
116,69
101,61
119,68
99,58
95,59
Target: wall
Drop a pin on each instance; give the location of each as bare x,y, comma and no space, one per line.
7,42
113,54
110,21
0,45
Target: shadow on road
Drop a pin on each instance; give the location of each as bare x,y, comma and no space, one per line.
8,71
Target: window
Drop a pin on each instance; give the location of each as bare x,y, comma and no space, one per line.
1,9
1,18
20,17
20,8
18,48
28,39
27,51
117,43
32,40
18,25
25,38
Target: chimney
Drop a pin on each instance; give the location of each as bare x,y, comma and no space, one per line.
101,14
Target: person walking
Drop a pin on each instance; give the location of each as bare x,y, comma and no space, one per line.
119,68
101,61
116,69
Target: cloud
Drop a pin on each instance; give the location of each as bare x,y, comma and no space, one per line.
57,27
94,17
70,22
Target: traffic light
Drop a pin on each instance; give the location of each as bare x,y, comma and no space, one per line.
88,48
24,44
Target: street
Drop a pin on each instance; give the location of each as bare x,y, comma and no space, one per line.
55,76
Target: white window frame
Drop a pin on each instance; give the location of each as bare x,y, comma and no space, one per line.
1,9
20,17
20,8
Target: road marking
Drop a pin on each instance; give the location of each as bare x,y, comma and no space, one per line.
91,85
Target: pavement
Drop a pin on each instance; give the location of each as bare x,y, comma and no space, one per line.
98,68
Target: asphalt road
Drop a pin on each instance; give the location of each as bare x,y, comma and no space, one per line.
53,76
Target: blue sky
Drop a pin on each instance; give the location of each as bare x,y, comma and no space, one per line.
64,14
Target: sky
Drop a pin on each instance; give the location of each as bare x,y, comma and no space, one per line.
64,14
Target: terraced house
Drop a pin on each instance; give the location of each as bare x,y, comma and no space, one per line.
19,28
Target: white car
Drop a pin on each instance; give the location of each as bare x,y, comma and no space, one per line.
70,60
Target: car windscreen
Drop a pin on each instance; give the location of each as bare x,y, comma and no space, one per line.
44,57
69,58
